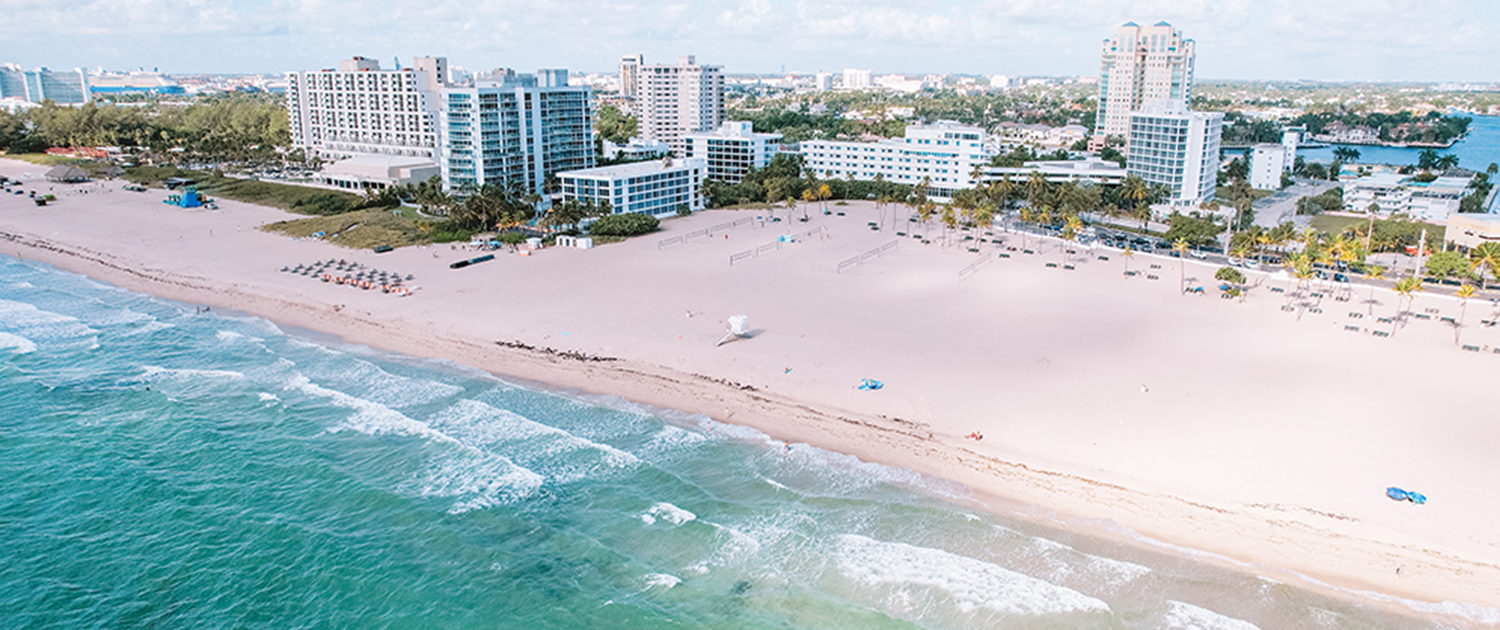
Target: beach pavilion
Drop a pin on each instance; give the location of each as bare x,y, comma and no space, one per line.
67,174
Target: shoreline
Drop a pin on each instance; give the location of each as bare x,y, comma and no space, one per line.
1283,540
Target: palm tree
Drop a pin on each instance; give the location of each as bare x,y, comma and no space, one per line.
1135,189
1181,247
1373,273
1485,257
1071,229
1464,293
1128,254
1407,288
808,196
824,194
1036,188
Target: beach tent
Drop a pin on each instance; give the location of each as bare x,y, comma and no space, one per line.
67,174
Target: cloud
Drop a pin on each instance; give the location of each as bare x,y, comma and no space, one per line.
1372,39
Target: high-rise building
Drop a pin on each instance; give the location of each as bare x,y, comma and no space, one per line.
857,79
677,100
823,81
360,109
732,150
630,76
1142,63
64,87
944,155
1176,147
509,129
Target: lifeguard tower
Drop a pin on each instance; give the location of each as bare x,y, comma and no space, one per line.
188,199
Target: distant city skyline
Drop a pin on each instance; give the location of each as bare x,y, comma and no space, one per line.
1383,40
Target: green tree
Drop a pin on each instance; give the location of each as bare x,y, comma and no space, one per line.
627,224
1447,264
616,126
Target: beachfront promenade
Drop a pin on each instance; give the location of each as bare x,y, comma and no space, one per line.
1258,433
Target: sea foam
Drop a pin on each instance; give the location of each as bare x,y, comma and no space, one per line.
16,343
1181,616
913,579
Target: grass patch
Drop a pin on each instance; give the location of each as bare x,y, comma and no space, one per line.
299,199
1224,196
43,159
361,229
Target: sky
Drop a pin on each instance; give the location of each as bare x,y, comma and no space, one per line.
1354,40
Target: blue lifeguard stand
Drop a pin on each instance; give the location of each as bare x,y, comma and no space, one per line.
188,198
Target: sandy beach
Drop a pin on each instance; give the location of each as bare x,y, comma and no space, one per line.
1110,404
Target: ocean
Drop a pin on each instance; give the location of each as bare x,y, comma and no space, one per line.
167,468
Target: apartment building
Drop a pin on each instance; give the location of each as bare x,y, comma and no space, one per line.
630,79
944,155
1178,148
858,79
360,109
64,87
732,150
513,129
1141,64
676,100
658,188
1394,194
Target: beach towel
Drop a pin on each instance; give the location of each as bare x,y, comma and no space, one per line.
870,385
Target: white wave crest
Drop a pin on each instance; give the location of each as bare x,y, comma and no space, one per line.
653,580
479,481
1063,561
481,425
16,343
667,512
912,580
370,418
158,373
1181,616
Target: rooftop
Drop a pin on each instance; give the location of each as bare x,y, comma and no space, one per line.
637,168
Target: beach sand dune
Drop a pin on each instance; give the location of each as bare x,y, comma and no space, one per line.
1264,435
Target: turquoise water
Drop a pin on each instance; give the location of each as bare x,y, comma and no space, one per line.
168,469
1476,151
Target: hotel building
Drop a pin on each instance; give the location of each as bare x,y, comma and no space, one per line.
673,101
510,129
732,150
657,188
1141,64
944,154
1176,147
630,78
64,87
857,79
360,109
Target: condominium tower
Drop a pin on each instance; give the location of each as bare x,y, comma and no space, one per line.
360,109
64,87
676,100
1177,148
630,76
1142,63
511,129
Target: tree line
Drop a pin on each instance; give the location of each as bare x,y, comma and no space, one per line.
234,127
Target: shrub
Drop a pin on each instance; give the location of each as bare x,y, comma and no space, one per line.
323,204
624,225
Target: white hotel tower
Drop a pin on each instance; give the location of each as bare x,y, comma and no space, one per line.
1141,64
361,109
673,101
